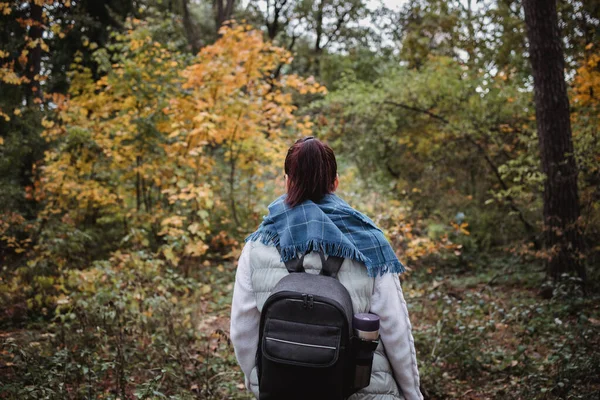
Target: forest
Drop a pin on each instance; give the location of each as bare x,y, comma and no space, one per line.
142,140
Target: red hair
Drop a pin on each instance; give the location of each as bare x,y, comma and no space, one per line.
311,169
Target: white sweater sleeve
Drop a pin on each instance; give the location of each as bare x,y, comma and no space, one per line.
395,331
245,317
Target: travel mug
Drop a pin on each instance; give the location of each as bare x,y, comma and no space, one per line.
366,334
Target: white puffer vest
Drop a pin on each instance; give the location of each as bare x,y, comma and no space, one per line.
267,270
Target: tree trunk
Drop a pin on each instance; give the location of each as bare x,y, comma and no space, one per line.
561,200
319,36
222,12
274,26
191,33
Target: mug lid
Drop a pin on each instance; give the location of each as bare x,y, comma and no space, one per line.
365,322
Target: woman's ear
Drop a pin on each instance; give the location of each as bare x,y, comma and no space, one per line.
336,182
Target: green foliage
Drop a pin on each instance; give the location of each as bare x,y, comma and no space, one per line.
444,141
486,333
429,28
128,325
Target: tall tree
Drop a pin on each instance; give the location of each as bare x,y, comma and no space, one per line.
277,16
191,33
223,11
561,199
426,27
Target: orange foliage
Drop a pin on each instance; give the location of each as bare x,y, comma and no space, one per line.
162,148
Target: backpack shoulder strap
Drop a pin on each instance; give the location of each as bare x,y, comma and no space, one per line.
331,265
294,265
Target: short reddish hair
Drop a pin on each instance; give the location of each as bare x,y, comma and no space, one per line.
311,169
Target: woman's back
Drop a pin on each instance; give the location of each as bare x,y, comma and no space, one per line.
310,218
261,268
267,270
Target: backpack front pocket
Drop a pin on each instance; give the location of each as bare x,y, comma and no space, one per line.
295,343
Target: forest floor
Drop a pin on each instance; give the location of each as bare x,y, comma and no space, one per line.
478,335
493,335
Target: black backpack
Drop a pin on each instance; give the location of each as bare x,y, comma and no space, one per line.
304,349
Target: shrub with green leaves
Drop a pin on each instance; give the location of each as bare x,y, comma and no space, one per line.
129,326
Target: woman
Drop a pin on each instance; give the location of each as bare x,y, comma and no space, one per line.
369,271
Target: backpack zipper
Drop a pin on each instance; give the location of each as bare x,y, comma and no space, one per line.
308,301
284,293
301,344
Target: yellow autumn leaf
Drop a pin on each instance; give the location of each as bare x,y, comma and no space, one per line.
170,256
205,289
5,8
47,123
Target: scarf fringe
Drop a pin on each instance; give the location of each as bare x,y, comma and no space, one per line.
270,238
395,267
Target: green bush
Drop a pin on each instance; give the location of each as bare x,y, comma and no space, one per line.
126,327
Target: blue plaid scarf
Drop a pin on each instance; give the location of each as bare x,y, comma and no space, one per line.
330,225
